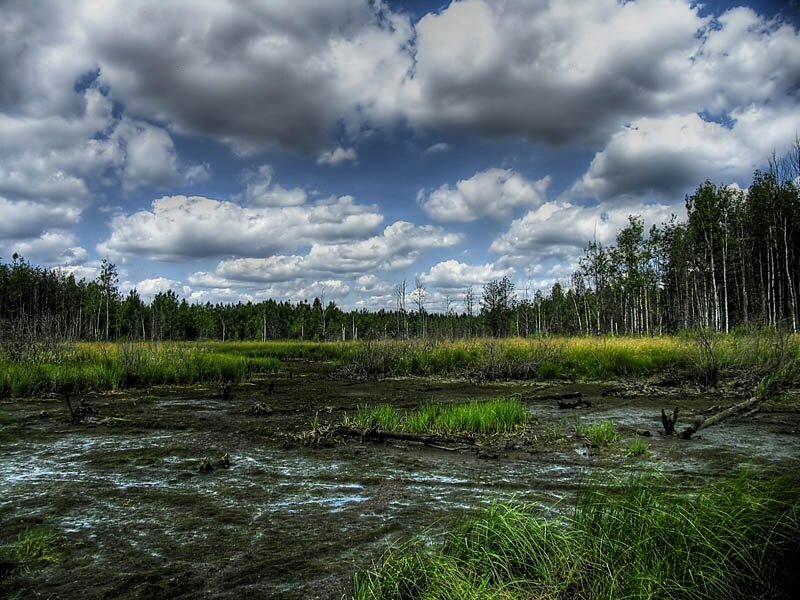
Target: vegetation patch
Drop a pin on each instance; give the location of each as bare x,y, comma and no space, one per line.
32,549
79,368
735,539
499,415
598,435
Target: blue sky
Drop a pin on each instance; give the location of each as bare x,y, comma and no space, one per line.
234,151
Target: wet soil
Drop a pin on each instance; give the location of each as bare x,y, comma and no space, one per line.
137,519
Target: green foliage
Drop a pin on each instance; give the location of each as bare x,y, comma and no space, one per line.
736,539
500,415
599,435
637,447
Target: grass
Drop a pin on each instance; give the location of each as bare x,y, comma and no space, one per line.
598,435
739,538
701,358
499,415
32,548
637,448
769,357
97,367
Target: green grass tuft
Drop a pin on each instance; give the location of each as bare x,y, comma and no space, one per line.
637,447
499,415
736,539
598,435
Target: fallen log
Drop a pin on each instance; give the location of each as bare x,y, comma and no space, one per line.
381,435
701,423
563,396
579,403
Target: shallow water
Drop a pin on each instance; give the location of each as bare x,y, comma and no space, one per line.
139,519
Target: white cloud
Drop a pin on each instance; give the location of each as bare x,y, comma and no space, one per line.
438,148
562,229
337,157
493,193
148,288
50,248
181,227
455,275
26,219
665,156
151,156
261,191
399,246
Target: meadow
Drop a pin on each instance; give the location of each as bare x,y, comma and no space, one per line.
705,359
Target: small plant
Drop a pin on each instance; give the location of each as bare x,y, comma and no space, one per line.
637,447
598,435
31,549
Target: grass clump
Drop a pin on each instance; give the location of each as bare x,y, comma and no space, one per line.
735,539
32,548
637,448
598,435
499,415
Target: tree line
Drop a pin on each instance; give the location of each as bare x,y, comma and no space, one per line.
734,262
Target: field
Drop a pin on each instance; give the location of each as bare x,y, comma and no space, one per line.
208,469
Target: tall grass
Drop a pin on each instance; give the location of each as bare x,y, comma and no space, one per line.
735,539
589,358
98,367
500,415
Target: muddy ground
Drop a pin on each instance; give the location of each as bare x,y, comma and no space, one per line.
136,518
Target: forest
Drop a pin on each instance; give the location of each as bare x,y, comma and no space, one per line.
734,262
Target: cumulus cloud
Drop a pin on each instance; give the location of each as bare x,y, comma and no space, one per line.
560,75
315,63
26,219
493,193
399,246
261,191
50,247
559,228
337,157
664,156
455,275
181,227
154,285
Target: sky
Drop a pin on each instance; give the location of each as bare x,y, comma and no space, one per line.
234,151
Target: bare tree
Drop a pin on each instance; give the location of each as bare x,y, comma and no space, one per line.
469,306
420,292
400,300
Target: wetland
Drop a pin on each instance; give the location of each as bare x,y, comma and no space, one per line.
177,491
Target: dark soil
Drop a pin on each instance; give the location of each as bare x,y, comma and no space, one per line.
138,519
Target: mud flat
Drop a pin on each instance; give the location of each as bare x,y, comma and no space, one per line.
133,515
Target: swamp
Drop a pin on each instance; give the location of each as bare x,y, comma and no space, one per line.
240,485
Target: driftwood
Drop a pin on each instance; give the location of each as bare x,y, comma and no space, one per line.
380,435
701,423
